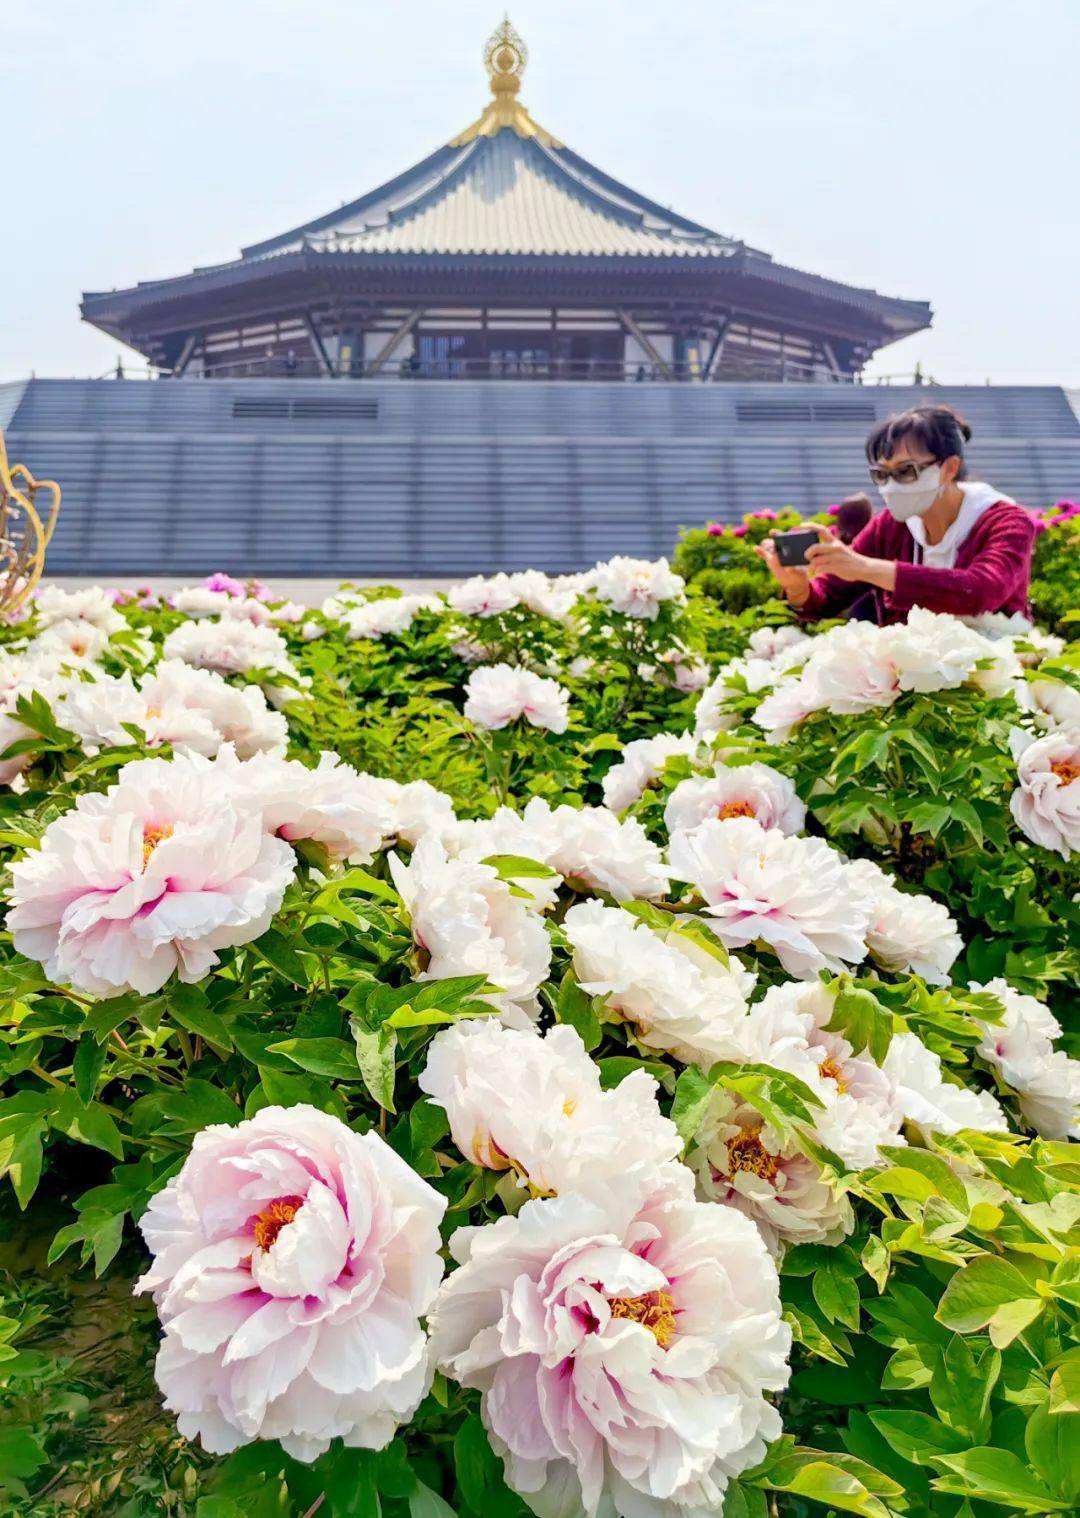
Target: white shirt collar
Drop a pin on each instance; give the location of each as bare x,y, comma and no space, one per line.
978,497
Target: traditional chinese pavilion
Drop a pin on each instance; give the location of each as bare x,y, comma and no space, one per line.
504,254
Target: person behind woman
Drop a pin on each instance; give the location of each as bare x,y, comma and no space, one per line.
852,515
942,542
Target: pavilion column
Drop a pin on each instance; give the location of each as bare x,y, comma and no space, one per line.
645,342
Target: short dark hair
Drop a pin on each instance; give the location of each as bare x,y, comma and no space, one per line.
938,428
852,515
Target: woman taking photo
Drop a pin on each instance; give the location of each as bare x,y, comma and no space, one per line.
942,542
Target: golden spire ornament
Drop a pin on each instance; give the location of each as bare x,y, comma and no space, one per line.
505,56
24,536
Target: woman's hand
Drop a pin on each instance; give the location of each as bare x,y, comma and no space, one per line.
795,583
832,557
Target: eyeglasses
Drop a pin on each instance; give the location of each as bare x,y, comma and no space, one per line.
904,474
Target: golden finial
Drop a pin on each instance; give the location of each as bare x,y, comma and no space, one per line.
23,535
505,57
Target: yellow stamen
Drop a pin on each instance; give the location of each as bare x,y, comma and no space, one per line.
274,1218
747,1152
569,1107
151,838
736,809
1067,770
654,1310
832,1070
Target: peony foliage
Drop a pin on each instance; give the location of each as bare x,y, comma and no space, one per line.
558,1046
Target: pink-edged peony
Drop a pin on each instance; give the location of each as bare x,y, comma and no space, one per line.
198,709
349,814
1046,802
498,694
149,879
791,893
1020,1048
468,922
929,1102
744,1163
92,604
533,1105
623,1350
746,790
293,1260
483,597
507,833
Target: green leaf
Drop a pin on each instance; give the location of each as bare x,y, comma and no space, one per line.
1052,1442
916,1436
190,1007
837,1296
91,1124
21,1454
280,954
424,1503
693,1092
574,1008
375,1054
862,1019
1011,1318
961,1387
838,1481
332,1058
994,1475
476,1465
86,1067
1065,1384
976,1292
20,1155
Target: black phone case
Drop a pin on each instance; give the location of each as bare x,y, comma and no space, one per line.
791,548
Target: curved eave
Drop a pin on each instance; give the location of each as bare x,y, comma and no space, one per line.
115,310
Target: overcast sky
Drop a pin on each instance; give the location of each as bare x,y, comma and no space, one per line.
925,147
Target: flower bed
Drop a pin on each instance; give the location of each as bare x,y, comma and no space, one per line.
559,1046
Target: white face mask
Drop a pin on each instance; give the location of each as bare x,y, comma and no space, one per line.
904,501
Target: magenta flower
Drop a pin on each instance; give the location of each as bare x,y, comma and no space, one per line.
225,582
740,531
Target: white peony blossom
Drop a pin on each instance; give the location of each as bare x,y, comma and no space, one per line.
673,994
349,814
908,931
482,597
389,617
198,709
622,1350
747,790
590,847
1046,802
467,922
230,647
1020,1048
499,694
292,1262
734,679
637,587
507,833
792,893
93,605
779,644
642,762
928,1100
149,879
534,1106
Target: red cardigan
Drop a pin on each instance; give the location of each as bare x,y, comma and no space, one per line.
992,573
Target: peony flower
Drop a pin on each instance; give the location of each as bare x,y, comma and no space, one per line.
419,808
778,643
71,644
679,668
590,847
534,1106
481,597
928,1100
1046,803
792,893
637,587
203,600
198,709
498,694
908,932
1020,1048
154,876
933,651
95,710
1057,704
733,679
389,617
227,583
781,711
622,1349
860,1112
91,605
642,762
542,595
467,922
230,647
747,790
292,1262
508,834
851,670
743,1163
673,994
349,814
247,609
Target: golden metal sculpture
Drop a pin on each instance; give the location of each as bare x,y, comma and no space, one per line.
24,536
505,57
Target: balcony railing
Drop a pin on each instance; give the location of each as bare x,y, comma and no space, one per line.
524,370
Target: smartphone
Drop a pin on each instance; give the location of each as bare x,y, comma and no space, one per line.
791,546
